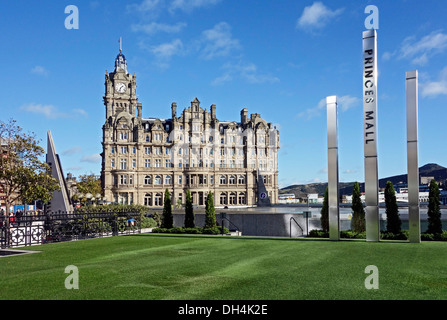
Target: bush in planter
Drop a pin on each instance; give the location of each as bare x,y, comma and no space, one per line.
350,234
195,230
394,236
318,234
215,230
427,236
434,236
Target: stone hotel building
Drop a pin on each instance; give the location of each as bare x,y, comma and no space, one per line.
142,157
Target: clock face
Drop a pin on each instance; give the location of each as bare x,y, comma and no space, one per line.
120,87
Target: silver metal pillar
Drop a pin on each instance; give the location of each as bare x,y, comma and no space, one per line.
412,156
370,135
332,150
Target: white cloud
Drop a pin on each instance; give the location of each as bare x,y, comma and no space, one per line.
344,104
347,102
432,89
168,49
39,70
155,27
189,5
218,41
51,112
71,151
317,16
245,71
420,51
93,158
144,6
154,7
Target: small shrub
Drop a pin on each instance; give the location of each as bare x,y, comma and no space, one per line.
147,222
394,236
350,234
195,230
214,230
318,234
427,236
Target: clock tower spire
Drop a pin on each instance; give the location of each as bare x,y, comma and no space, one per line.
120,90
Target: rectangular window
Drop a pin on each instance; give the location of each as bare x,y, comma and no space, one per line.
112,163
147,163
123,164
147,150
134,163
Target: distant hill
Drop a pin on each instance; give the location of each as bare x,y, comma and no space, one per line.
434,170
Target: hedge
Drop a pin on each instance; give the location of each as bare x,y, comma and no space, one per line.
196,230
349,234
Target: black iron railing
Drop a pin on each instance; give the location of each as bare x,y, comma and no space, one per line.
30,229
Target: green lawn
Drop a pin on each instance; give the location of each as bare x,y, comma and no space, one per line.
151,266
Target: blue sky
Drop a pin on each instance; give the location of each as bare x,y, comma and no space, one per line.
277,58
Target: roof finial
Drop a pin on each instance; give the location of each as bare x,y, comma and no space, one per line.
121,44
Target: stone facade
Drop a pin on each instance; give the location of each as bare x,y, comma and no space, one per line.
142,157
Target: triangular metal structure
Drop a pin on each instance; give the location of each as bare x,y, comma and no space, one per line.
60,200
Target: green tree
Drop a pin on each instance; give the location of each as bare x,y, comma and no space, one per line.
393,222
210,212
358,212
189,211
324,218
24,177
89,183
434,209
167,220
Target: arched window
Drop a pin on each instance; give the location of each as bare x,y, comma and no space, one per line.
168,180
158,200
157,180
223,198
148,200
233,198
242,198
241,180
148,180
223,180
232,179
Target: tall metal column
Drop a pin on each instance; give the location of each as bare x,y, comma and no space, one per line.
332,150
370,135
412,156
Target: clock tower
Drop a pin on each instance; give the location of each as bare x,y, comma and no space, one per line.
122,126
120,87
